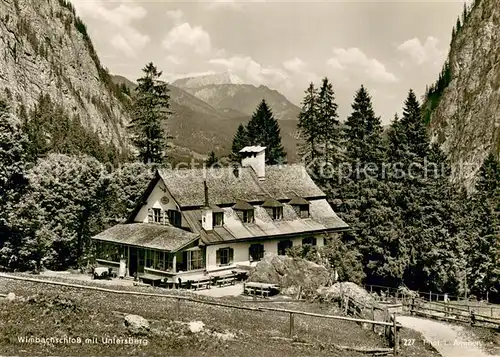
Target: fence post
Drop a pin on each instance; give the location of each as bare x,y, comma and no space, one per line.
492,311
290,332
395,335
178,308
430,296
373,318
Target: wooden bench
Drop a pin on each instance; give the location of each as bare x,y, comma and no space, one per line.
229,280
261,289
154,279
201,284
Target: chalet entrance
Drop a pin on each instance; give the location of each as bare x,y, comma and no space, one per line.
133,261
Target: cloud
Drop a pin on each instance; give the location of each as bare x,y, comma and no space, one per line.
253,72
421,53
116,22
185,38
176,15
353,61
294,65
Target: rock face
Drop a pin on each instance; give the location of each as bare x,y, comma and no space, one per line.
44,48
290,273
466,122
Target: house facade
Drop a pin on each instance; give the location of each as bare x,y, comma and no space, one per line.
210,220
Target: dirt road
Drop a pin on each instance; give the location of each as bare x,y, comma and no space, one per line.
448,340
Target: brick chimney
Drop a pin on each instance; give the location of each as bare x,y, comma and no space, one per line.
255,157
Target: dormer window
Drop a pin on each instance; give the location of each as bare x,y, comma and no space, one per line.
274,208
218,219
245,211
300,206
277,212
248,216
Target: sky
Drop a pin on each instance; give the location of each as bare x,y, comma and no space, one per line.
389,47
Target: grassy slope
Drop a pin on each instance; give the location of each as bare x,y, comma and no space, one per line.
88,314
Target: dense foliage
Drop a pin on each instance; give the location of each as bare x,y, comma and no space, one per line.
50,129
410,223
52,203
263,129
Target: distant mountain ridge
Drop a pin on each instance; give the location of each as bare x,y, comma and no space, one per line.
225,91
198,126
209,79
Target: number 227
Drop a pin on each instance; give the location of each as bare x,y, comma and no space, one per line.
408,341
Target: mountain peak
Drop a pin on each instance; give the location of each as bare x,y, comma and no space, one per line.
208,79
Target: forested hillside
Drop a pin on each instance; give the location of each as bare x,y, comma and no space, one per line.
411,223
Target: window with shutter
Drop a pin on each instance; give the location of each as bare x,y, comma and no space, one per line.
217,253
283,246
157,215
256,252
150,215
225,256
309,241
175,218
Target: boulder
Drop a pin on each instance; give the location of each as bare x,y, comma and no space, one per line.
354,291
289,273
196,326
136,324
11,296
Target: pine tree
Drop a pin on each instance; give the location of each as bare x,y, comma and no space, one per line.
263,129
484,254
362,133
150,112
307,125
240,140
212,159
328,125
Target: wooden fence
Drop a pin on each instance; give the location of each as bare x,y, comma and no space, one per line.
450,312
389,324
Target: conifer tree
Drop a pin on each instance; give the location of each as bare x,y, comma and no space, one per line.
362,133
328,124
263,129
307,125
212,159
240,140
484,249
150,112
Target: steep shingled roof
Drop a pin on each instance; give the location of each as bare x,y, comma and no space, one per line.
322,219
148,235
271,203
224,188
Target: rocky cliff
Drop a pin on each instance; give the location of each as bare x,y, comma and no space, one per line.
463,108
44,48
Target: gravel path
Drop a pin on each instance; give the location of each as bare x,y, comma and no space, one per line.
448,340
